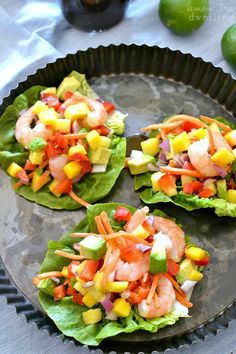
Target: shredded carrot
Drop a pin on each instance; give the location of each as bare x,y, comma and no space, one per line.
145,277
107,256
100,227
19,183
78,199
172,163
220,125
161,126
153,288
163,134
106,222
180,171
183,117
183,300
175,284
69,255
72,142
50,275
43,164
75,136
211,140
128,236
110,267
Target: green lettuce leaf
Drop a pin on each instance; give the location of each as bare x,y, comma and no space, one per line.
189,202
67,315
91,188
143,180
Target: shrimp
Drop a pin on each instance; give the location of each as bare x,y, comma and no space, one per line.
24,133
200,158
137,219
219,141
132,271
56,164
175,234
165,297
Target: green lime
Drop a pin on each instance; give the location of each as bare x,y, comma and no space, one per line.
183,16
228,45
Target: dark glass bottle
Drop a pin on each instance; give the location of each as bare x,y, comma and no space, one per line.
93,15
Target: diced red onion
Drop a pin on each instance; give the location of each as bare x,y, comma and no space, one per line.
208,181
107,304
165,145
143,248
99,100
111,316
220,170
89,284
150,219
75,127
112,296
57,280
162,157
76,247
188,285
125,294
151,167
77,179
74,269
180,159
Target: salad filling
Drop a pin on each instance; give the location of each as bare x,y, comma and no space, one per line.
65,138
119,264
189,161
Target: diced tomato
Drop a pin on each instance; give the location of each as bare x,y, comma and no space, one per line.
67,95
70,269
134,298
78,157
197,186
149,239
188,166
134,285
173,267
143,292
77,299
51,150
109,107
23,176
62,108
122,214
52,102
90,270
206,193
64,186
202,262
29,166
60,141
102,130
188,126
148,227
86,166
167,183
59,292
130,255
70,290
188,188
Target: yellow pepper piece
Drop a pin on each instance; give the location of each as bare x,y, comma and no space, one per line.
223,157
89,300
121,307
195,275
72,169
195,253
92,316
14,169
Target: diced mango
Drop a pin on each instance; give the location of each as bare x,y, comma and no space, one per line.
232,195
214,127
155,179
53,185
198,133
50,91
223,157
195,253
150,146
77,111
92,316
79,286
64,271
141,232
181,142
72,169
171,153
77,149
116,286
14,169
38,181
62,125
36,157
231,137
195,275
187,179
98,281
93,139
81,267
48,117
121,308
97,294
39,107
89,300
105,142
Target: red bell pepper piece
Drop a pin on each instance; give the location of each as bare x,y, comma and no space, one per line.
122,214
70,290
59,293
203,262
67,95
102,130
197,186
148,227
64,186
77,299
51,150
206,193
52,102
60,141
188,126
23,177
173,267
90,270
109,107
29,166
71,269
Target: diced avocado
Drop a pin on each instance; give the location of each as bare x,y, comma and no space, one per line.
212,187
222,189
37,144
186,268
67,84
139,165
158,261
93,247
187,179
47,286
101,156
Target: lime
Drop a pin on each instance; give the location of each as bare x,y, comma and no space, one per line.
228,45
183,16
